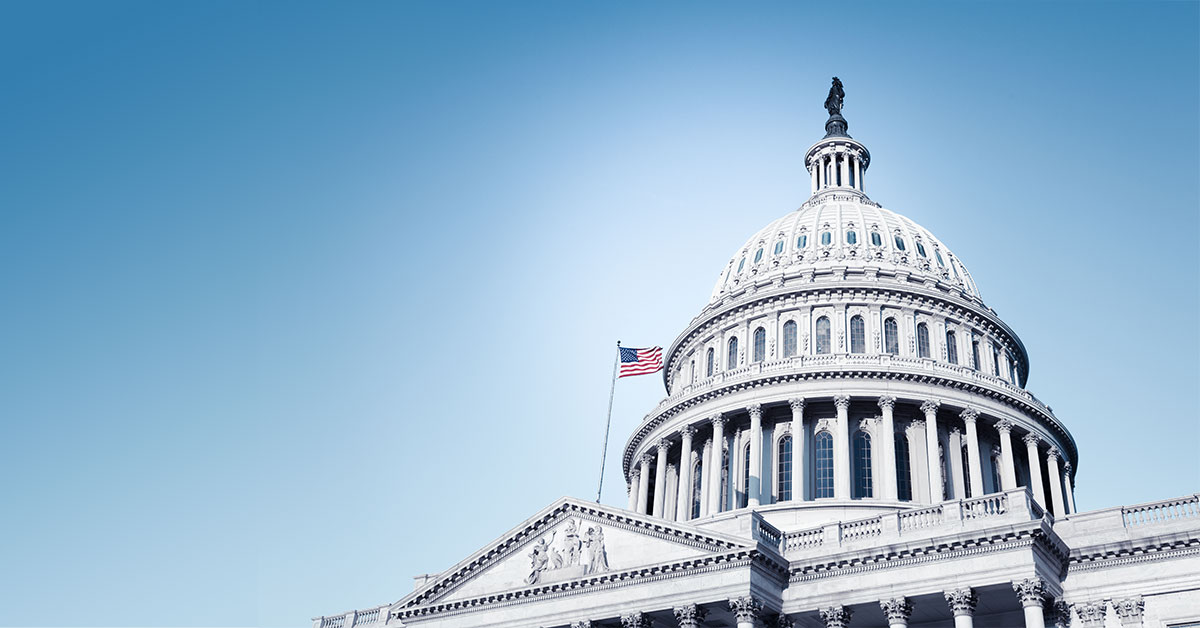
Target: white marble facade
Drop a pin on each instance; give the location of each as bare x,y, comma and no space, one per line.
846,441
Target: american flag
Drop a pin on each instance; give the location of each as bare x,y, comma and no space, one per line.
640,361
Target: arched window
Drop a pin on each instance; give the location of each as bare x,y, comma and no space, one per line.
862,465
783,481
903,471
789,339
760,344
858,335
974,353
711,359
744,495
697,473
891,337
822,335
731,357
823,459
951,347
922,340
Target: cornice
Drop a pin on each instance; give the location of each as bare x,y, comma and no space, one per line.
835,372
1133,553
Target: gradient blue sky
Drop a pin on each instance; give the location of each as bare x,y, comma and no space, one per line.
301,300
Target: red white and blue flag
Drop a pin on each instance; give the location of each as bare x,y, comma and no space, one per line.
640,361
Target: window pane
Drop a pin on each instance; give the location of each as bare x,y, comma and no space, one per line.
862,465
758,256
760,344
858,335
891,336
826,238
851,237
732,357
920,248
784,481
789,339
779,247
951,347
709,370
822,335
802,242
903,472
900,243
876,239
697,473
823,460
922,341
975,354
744,494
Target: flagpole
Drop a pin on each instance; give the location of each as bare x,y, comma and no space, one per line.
608,422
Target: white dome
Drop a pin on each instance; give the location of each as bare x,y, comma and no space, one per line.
842,230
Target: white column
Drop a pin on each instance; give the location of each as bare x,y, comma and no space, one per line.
1031,592
705,478
714,475
754,490
644,483
887,448
962,604
845,168
660,477
798,442
841,448
858,172
1056,492
970,416
954,459
1035,467
814,176
634,484
1008,472
683,506
1070,487
918,462
897,611
930,409
670,506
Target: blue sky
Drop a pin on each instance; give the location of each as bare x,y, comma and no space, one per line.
302,300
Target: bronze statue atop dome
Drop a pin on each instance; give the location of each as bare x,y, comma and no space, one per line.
833,104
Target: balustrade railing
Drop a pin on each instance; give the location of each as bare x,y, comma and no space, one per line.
987,506
862,529
1162,511
368,617
921,518
762,531
333,622
804,539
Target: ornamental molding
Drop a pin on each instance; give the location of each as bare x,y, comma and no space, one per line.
635,620
969,415
755,409
962,601
886,402
1004,426
746,608
897,610
839,372
1091,614
585,512
1130,610
1032,440
1030,591
1131,554
797,404
688,431
824,425
690,616
586,623
835,616
1053,453
663,445
842,402
930,406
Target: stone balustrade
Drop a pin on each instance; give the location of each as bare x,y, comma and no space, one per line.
1161,511
367,617
1015,505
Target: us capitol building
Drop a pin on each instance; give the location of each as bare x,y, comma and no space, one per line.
846,441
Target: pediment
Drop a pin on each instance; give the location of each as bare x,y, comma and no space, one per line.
570,540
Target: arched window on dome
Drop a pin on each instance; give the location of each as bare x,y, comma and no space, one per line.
823,461
974,353
760,344
697,473
789,339
891,337
779,247
802,241
731,358
711,359
744,494
903,470
826,238
783,478
822,336
862,465
938,255
876,239
951,347
758,255
921,249
922,340
741,265
858,335
851,237
899,242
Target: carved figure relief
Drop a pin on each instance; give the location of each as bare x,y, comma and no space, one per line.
584,554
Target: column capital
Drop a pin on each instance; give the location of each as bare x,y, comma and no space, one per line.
1031,591
1091,614
962,601
835,616
688,431
647,459
1053,452
969,415
583,623
755,409
1060,614
1130,610
887,401
917,423
783,621
670,467
1032,440
637,473
718,421
690,616
1067,467
635,620
1004,426
954,431
897,610
747,608
841,401
797,404
930,406
663,444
